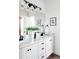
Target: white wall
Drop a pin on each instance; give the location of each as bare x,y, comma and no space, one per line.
53,9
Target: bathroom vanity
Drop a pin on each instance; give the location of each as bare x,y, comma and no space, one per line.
39,49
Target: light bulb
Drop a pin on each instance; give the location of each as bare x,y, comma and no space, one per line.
37,10
31,8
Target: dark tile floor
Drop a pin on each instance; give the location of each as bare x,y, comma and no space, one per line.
54,56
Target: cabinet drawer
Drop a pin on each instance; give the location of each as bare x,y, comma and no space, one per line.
41,50
30,52
41,44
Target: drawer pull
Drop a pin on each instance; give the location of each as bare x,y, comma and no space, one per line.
42,43
42,48
42,57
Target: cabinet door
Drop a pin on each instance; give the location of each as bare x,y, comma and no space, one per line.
34,52
29,52
26,53
41,47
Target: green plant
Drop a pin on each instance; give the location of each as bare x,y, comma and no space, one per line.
32,29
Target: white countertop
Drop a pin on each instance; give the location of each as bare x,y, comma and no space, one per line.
23,43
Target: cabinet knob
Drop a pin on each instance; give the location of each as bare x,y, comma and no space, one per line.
29,50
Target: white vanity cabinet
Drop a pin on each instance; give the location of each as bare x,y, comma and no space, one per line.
39,50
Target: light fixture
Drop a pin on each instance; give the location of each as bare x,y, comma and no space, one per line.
30,6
